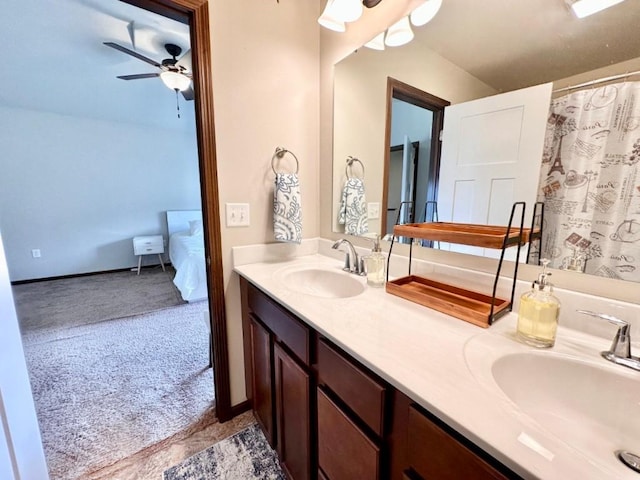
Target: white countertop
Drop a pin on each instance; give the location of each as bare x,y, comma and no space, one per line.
425,354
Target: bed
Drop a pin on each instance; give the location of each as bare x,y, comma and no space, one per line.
186,252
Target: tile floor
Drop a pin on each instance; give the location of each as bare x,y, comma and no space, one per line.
151,465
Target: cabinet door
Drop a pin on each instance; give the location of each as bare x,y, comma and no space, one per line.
292,384
344,451
435,454
262,379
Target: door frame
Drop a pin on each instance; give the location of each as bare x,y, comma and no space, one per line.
415,96
196,14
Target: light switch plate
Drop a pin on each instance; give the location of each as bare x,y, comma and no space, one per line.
373,210
237,214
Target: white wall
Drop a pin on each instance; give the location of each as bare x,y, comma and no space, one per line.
79,189
21,454
265,84
415,122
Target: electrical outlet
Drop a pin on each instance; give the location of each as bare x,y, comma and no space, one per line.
373,210
35,253
237,214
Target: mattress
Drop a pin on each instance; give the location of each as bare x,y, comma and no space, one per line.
187,257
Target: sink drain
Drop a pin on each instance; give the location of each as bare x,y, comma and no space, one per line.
630,460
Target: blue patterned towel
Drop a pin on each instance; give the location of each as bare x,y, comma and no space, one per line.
287,209
353,208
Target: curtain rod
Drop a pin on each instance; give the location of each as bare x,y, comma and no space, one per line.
600,80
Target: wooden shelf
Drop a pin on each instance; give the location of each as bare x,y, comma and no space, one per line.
487,236
467,305
458,302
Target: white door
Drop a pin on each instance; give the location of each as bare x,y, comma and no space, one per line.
21,454
491,157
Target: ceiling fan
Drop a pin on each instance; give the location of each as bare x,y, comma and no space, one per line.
174,73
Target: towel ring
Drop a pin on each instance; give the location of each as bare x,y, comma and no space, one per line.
279,153
350,161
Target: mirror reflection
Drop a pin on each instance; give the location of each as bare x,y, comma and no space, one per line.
574,240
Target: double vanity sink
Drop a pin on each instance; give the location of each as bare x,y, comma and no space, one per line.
558,413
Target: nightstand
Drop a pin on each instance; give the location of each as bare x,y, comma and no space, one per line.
148,245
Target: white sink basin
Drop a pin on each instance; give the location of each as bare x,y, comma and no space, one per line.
320,281
561,394
588,403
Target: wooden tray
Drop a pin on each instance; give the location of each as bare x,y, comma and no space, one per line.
488,236
467,305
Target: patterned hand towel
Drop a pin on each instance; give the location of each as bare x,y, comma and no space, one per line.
353,208
287,209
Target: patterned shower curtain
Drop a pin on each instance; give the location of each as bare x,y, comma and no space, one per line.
589,182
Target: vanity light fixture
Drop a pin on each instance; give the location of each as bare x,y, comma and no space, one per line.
399,33
425,12
329,18
584,8
338,12
377,42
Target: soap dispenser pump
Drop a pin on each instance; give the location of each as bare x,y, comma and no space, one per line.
375,265
538,312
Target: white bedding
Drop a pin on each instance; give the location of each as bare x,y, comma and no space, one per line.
186,252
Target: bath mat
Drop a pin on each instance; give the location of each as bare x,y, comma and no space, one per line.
244,456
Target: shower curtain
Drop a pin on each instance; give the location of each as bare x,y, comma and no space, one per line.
589,182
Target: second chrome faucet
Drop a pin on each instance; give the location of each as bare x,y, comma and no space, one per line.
353,262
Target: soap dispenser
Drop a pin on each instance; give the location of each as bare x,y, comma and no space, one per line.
538,312
375,265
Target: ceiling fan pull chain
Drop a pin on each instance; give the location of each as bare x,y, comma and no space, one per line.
177,102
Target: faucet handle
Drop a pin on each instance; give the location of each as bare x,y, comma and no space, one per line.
621,345
609,318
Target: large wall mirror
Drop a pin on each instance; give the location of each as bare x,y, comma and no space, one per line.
474,50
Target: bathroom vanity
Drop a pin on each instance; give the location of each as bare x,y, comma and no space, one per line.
349,382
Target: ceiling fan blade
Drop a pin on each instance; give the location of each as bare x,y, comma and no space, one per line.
132,53
188,93
139,76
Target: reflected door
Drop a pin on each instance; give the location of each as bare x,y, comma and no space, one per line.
491,157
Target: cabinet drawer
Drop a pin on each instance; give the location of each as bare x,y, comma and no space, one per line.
148,244
434,453
284,326
344,451
358,390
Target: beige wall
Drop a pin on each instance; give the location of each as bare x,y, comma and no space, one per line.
266,84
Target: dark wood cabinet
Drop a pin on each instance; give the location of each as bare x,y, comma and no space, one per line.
331,418
344,450
262,378
293,415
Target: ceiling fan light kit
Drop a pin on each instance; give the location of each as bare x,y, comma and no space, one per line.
175,80
173,72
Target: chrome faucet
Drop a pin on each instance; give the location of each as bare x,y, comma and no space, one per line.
620,351
352,262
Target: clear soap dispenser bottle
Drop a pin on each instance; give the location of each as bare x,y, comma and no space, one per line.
538,312
375,265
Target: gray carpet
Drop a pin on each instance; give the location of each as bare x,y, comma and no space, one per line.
69,302
243,456
106,391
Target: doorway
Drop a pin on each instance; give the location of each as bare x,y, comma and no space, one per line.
413,125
